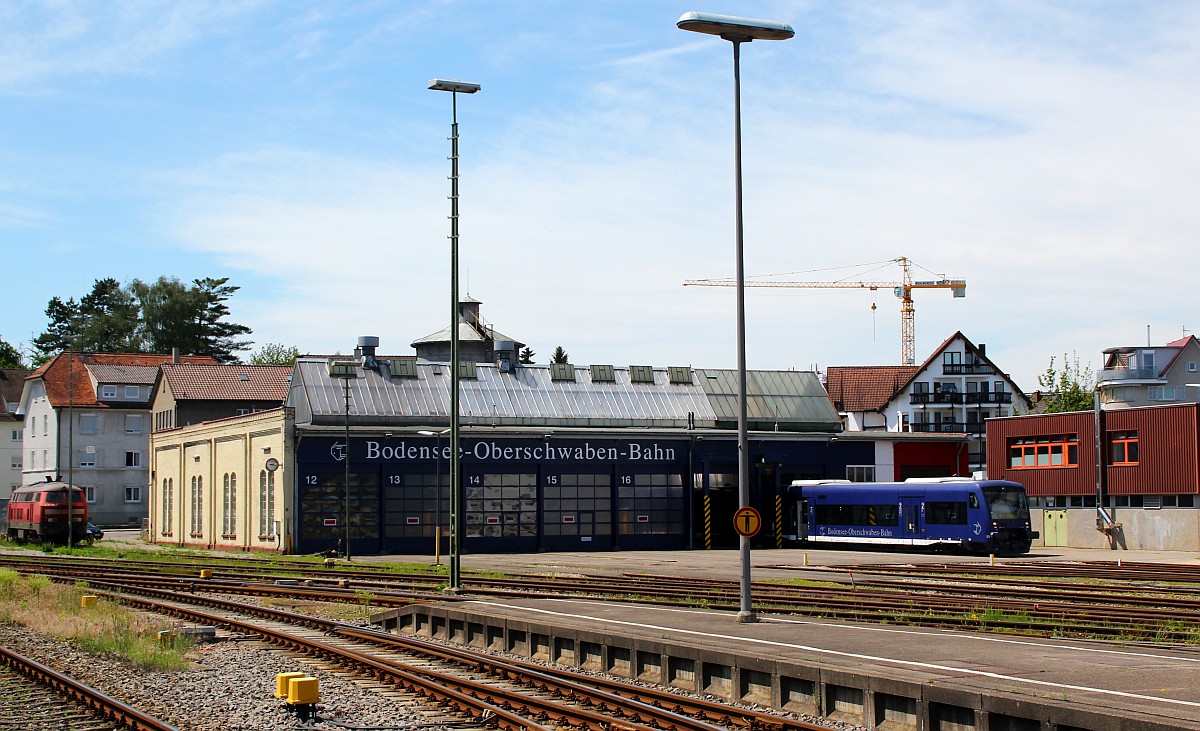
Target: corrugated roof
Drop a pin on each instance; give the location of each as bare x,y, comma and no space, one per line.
793,400
528,396
227,382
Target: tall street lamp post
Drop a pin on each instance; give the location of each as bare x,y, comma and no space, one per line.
738,31
455,88
437,492
345,370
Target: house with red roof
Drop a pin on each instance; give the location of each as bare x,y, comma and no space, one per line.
955,390
189,393
1150,375
87,420
12,380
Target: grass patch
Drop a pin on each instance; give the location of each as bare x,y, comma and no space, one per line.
105,628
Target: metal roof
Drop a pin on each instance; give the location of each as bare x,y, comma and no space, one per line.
788,400
527,396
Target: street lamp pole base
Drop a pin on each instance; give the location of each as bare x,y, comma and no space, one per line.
746,617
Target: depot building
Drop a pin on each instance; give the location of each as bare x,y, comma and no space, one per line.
552,457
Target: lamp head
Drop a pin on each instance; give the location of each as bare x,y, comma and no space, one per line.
460,87
734,28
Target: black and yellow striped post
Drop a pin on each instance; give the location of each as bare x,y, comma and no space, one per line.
778,520
707,522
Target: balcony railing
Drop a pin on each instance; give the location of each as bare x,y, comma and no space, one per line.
967,369
945,397
943,426
956,427
989,397
1129,374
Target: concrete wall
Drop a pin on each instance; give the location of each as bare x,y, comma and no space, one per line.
1169,529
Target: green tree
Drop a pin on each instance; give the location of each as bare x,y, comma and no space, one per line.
10,357
274,354
107,320
527,356
1068,389
560,356
189,318
104,321
145,318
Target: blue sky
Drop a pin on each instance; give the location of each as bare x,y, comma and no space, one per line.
1044,151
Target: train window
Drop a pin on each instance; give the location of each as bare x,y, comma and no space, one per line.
858,515
973,499
941,513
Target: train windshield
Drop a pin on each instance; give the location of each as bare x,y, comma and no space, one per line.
1006,503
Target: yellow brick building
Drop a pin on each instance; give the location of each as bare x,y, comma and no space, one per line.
224,483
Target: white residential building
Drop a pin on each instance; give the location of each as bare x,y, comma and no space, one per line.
955,390
87,420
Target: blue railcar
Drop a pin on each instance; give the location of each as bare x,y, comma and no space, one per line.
980,516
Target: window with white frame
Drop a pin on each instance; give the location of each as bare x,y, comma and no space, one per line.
860,472
45,459
133,392
168,504
89,492
197,505
229,517
133,423
133,459
108,392
1160,393
45,425
16,461
133,493
16,435
89,423
87,456
266,503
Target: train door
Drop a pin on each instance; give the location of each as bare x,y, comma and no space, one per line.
912,522
801,518
1054,528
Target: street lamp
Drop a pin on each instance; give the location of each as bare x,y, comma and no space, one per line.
455,88
738,31
437,525
345,370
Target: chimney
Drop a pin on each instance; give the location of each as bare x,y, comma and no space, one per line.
983,348
174,355
366,351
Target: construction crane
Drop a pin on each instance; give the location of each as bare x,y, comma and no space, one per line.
903,290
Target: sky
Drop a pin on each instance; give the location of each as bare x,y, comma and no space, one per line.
1046,152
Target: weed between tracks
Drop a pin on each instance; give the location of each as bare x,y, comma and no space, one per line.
105,628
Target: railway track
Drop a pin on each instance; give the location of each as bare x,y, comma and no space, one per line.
35,697
504,693
1131,603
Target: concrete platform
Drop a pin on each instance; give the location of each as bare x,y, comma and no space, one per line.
877,676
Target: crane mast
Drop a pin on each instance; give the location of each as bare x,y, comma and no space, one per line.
902,289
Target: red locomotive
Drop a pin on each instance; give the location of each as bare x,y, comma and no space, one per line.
40,512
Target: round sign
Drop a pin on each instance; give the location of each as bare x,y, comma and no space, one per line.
747,521
272,464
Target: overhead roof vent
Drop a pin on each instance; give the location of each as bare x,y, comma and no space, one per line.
603,374
562,372
366,350
641,374
404,368
680,374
